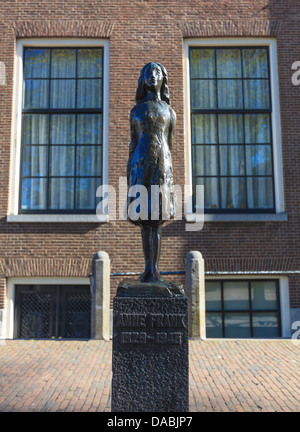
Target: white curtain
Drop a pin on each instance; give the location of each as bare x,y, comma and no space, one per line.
259,160
233,192
89,93
34,161
62,161
36,93
63,65
89,158
36,72
205,156
90,63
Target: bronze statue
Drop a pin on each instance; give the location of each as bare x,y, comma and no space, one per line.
152,124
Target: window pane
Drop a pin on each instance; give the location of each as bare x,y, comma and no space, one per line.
86,192
205,160
90,63
213,296
63,63
203,94
214,325
34,161
34,194
89,161
231,130
89,93
62,159
204,129
233,193
264,295
237,325
229,63
256,94
211,191
63,93
61,193
257,128
265,324
89,129
202,63
260,192
62,129
36,62
259,160
232,160
35,129
36,93
255,63
236,295
230,94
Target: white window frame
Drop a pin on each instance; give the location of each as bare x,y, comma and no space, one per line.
279,214
13,209
8,318
284,296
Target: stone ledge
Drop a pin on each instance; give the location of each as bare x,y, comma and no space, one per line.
58,218
255,217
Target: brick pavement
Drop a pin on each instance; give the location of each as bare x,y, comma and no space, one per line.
225,375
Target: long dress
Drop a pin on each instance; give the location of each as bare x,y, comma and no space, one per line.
150,163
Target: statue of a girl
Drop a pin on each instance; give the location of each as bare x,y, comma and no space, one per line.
152,124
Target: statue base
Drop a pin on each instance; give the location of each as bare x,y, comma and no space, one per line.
150,352
136,288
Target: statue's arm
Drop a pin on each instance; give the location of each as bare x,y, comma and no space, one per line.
133,143
172,129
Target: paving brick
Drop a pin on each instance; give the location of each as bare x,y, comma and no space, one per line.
218,385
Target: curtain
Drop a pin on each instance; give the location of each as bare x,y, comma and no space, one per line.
233,192
205,156
62,161
89,158
259,161
34,161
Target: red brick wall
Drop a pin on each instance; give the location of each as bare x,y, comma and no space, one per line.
141,31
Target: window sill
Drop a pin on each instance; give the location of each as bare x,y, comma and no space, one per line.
254,217
58,218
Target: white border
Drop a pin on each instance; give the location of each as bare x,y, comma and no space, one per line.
8,318
283,296
13,215
276,129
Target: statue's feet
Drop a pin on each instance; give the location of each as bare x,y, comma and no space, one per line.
150,276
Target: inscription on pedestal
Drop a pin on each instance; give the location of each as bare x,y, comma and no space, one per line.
150,355
150,321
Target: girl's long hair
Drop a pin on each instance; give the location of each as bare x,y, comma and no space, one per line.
164,91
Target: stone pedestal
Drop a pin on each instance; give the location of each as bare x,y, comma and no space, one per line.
150,354
100,290
195,291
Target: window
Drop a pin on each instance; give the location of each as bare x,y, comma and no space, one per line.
231,128
46,311
242,308
62,129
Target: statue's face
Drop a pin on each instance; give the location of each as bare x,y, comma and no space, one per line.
153,76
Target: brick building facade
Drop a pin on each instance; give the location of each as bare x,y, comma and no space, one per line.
245,246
